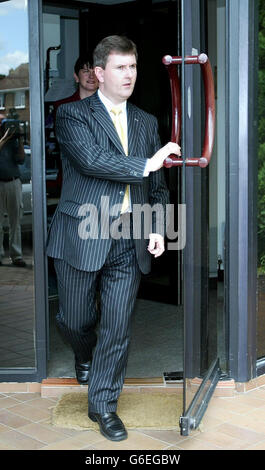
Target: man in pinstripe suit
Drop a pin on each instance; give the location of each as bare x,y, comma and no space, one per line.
102,168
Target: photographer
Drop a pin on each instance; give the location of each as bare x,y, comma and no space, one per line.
11,155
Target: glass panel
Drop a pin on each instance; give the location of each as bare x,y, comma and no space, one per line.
205,324
217,184
16,254
261,187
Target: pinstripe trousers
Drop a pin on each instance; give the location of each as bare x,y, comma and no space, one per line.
118,282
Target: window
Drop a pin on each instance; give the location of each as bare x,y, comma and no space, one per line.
2,101
19,100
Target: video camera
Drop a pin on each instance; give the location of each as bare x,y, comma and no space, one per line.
13,125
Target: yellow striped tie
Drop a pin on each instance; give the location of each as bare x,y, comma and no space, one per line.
123,138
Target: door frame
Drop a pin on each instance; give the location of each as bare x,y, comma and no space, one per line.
241,189
38,183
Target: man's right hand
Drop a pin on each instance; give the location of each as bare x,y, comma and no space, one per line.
157,160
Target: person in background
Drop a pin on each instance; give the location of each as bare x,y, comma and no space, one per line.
87,84
85,79
11,155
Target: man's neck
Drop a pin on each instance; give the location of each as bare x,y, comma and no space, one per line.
108,101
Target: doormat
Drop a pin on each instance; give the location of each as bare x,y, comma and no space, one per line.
136,410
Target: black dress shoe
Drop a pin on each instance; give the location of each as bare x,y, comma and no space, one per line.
82,370
110,425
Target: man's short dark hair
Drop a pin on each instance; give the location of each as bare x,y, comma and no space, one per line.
111,44
84,59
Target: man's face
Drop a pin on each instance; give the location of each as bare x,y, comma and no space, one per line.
87,79
118,78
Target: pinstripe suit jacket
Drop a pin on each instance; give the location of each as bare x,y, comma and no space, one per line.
95,166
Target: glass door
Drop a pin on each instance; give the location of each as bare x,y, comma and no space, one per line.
202,168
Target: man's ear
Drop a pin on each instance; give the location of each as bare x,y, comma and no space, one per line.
99,72
76,78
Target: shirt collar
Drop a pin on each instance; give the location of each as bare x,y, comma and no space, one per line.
109,105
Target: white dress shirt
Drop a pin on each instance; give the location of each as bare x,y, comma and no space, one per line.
123,107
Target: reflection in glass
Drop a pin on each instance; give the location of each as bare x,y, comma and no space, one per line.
261,188
16,269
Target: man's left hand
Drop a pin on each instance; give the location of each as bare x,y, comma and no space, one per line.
156,244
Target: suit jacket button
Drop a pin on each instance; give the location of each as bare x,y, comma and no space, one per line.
121,193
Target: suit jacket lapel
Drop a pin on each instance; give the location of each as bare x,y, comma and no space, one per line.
133,123
102,117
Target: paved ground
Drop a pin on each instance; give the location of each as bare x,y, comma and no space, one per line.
235,423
